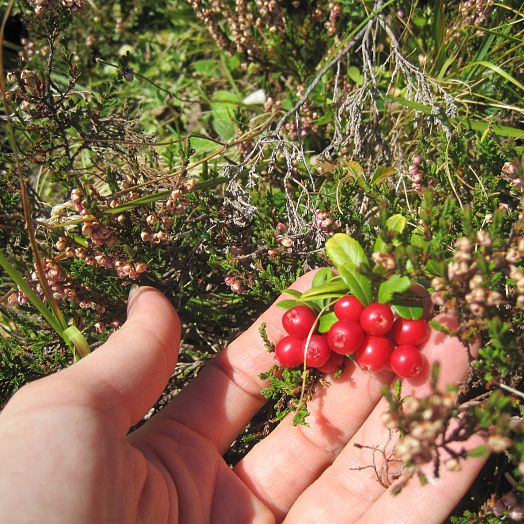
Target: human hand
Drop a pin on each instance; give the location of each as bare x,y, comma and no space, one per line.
66,456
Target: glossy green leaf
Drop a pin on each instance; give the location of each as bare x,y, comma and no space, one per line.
479,451
288,304
344,250
380,246
292,293
359,285
322,276
326,321
408,312
394,284
333,287
381,174
396,223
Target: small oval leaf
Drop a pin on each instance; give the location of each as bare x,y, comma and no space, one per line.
408,312
344,250
322,276
358,284
396,223
336,286
394,284
326,321
288,304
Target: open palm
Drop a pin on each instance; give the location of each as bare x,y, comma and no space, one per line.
66,456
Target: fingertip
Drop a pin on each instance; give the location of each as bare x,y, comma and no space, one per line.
452,356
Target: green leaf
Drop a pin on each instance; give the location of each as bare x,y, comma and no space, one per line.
288,304
479,451
358,284
322,276
408,312
434,268
344,250
223,107
394,284
380,246
334,287
396,223
326,321
355,75
381,174
292,292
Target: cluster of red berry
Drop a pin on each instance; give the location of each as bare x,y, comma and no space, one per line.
371,333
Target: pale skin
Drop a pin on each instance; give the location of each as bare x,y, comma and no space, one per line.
66,455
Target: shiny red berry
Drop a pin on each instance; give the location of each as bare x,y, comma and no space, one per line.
348,308
317,353
289,352
374,354
406,361
377,319
345,337
334,362
299,320
413,332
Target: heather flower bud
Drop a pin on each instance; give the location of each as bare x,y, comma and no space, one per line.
484,238
438,283
464,244
286,242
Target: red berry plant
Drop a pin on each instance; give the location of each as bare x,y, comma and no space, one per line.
355,310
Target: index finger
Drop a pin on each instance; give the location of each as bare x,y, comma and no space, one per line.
227,392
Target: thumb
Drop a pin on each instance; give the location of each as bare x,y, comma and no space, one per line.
129,372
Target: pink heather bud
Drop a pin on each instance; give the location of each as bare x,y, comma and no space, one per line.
90,261
286,242
167,222
237,287
115,324
87,229
510,168
151,220
512,255
80,252
145,236
413,170
100,327
61,244
69,252
100,259
190,185
100,309
417,159
281,227
141,267
76,196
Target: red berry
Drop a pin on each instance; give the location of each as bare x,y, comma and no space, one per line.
345,337
289,352
317,353
412,332
375,353
406,361
334,362
377,319
348,308
299,320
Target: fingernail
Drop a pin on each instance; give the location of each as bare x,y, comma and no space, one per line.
133,293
